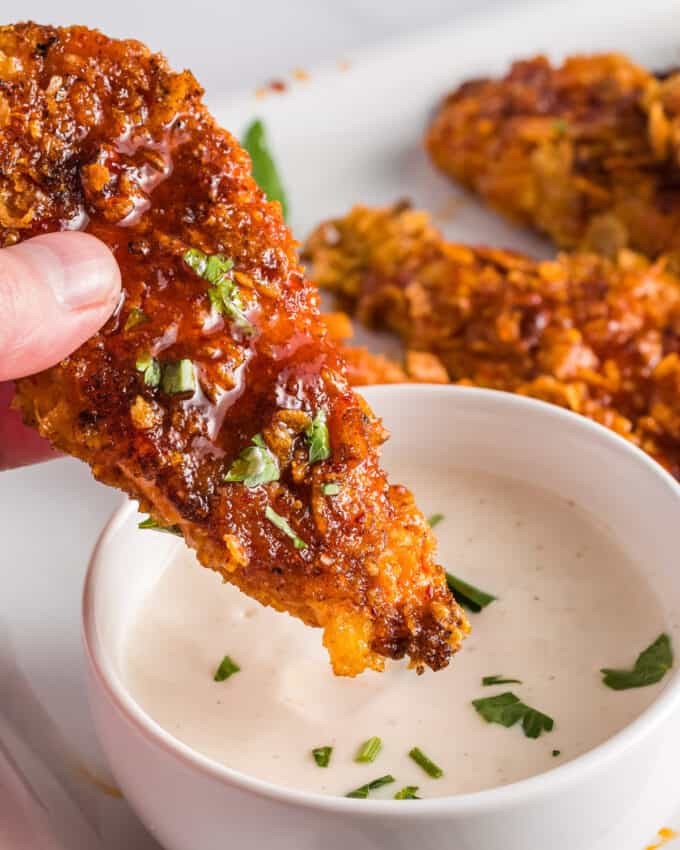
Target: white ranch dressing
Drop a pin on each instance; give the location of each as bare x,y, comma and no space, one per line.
570,602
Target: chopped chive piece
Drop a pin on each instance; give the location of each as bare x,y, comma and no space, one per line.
556,753
322,756
435,519
150,369
150,523
317,434
226,669
507,709
179,376
264,170
283,525
135,317
499,680
650,667
255,465
363,791
330,489
409,792
369,750
427,764
468,595
224,294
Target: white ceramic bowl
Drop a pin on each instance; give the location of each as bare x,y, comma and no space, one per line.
192,803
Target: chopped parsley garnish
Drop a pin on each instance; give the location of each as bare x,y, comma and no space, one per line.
283,525
499,680
507,709
435,519
330,489
556,753
319,441
409,792
468,595
255,465
426,763
150,523
363,791
651,666
264,170
179,376
226,669
369,750
224,294
150,369
135,317
322,756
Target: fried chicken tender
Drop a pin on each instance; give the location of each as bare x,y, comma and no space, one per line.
600,337
587,153
213,395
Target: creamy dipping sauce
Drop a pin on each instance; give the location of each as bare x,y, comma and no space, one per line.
570,602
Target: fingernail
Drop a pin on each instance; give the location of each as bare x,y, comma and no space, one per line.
79,269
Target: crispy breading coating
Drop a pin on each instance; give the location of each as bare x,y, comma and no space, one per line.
587,153
201,363
600,337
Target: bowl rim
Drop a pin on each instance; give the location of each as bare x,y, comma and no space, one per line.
554,780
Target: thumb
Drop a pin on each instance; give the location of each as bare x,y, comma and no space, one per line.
56,291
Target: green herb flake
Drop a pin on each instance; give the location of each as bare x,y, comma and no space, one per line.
319,440
322,756
283,525
224,294
150,524
468,595
556,753
435,519
369,750
560,126
487,681
226,669
254,466
409,792
196,260
265,172
150,369
135,317
330,489
426,763
363,791
651,666
179,376
507,709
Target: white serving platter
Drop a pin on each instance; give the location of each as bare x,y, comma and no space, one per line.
346,134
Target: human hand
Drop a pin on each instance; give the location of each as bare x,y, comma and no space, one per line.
56,291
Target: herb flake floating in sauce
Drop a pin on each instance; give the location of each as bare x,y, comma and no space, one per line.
651,666
150,524
135,318
363,791
254,466
223,293
488,681
369,750
264,171
150,369
556,753
226,669
435,519
283,525
426,763
409,792
322,756
330,489
468,595
507,709
179,376
319,441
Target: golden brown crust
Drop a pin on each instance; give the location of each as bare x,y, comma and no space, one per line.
101,134
588,152
599,337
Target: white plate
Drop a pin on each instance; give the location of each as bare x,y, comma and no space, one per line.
343,136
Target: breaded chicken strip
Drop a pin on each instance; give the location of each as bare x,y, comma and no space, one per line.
587,153
599,337
212,395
